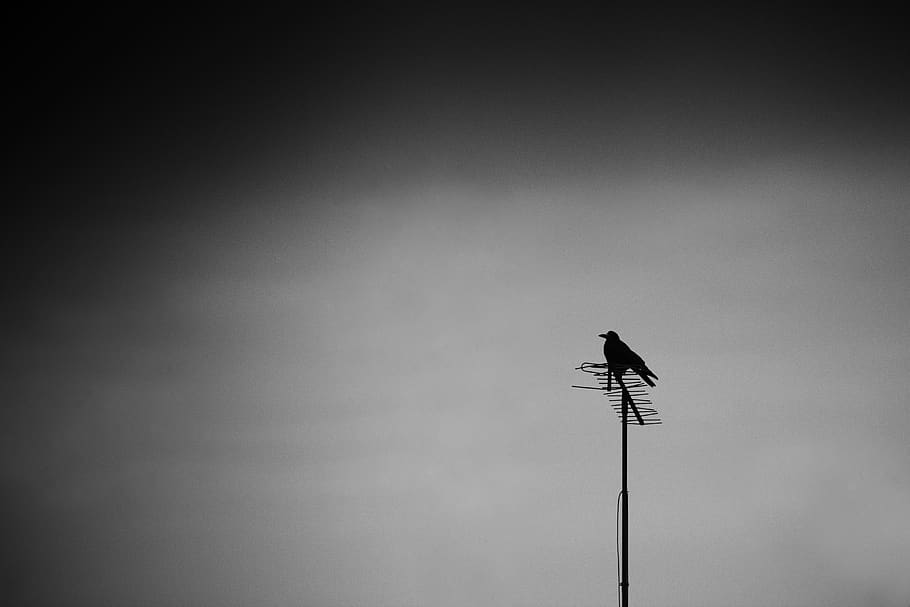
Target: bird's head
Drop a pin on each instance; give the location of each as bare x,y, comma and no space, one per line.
609,335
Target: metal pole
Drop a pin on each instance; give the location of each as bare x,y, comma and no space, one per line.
645,416
624,585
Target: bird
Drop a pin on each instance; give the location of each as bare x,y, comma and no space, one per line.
621,357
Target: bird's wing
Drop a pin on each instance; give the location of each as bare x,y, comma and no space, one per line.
631,357
634,359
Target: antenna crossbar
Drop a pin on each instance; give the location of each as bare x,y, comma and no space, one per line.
633,390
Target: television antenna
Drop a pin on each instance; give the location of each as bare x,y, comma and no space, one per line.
632,404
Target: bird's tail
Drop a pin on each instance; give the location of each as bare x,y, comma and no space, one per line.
647,379
644,372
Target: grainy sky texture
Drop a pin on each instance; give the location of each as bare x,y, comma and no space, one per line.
292,311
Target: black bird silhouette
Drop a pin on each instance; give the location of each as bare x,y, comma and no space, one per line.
621,357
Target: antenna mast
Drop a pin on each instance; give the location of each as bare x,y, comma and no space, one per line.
632,397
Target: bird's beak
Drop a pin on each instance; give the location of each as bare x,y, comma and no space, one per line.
604,335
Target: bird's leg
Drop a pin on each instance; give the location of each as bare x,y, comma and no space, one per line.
616,372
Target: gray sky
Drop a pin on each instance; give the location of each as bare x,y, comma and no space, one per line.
313,346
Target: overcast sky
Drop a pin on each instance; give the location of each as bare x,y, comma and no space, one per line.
292,312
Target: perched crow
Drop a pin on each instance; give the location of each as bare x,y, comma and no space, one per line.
620,357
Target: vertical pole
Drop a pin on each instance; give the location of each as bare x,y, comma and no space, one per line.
624,584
